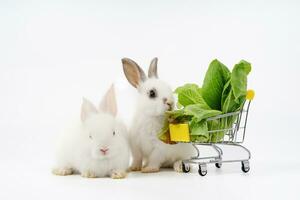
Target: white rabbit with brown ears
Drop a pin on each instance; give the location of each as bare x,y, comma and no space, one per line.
154,98
97,145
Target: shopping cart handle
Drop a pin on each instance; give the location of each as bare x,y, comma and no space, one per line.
250,95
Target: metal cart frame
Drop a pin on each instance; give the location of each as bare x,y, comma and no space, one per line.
233,136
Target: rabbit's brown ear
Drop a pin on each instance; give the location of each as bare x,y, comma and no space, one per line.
108,103
87,108
152,72
134,74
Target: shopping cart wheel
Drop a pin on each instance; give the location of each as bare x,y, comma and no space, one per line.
185,168
218,165
202,170
245,166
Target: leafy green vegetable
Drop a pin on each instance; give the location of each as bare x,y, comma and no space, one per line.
233,96
190,94
216,77
199,131
197,111
222,92
218,135
239,79
235,90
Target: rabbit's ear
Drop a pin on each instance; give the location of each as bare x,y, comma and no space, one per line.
134,74
152,72
108,103
87,108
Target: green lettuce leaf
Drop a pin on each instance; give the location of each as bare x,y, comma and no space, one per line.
215,79
218,135
239,79
199,131
190,94
199,112
235,90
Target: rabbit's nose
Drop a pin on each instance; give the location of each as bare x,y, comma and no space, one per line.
104,150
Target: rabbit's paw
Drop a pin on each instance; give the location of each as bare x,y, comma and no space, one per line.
118,174
62,171
135,168
150,169
178,166
88,174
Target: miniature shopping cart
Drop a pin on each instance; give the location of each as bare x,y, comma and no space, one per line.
230,136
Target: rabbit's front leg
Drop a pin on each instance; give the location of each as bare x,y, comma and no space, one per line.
88,174
118,174
64,171
154,162
177,166
137,158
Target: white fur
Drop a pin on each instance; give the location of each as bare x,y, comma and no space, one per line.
78,149
146,148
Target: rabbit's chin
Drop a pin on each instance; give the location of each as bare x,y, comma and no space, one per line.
157,111
153,110
100,156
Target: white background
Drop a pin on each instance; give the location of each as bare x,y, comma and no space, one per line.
53,53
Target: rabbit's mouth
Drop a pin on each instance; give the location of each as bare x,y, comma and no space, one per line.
169,106
99,155
104,151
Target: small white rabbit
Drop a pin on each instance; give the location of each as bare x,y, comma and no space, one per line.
155,97
97,145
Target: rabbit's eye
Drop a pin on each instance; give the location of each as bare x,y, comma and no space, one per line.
152,93
114,133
